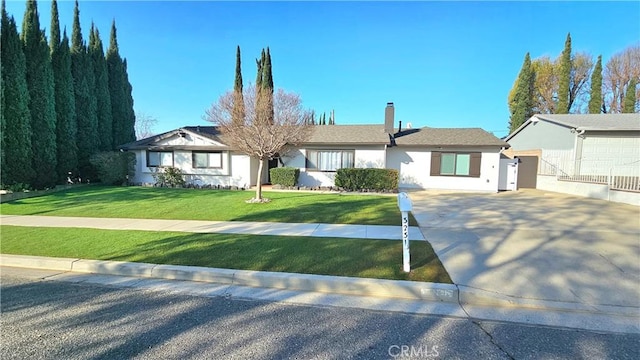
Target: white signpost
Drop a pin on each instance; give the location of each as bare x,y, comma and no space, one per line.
404,203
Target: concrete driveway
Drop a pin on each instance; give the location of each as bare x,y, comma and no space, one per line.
531,245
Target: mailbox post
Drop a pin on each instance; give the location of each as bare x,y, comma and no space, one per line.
404,203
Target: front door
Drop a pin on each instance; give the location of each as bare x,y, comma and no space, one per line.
273,163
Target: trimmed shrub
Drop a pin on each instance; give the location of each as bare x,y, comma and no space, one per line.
353,179
114,167
285,176
169,176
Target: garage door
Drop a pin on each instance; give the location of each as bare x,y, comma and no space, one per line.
599,153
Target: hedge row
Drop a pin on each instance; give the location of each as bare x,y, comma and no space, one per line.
285,176
367,179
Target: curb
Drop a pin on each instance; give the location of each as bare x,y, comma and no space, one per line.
470,296
399,289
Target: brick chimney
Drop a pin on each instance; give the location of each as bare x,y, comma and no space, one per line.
389,112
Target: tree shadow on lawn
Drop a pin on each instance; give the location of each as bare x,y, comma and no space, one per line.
323,256
335,210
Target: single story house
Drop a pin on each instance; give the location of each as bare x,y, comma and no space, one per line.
428,158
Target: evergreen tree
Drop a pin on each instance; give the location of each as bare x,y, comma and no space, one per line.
259,75
129,124
103,98
238,101
521,106
595,99
267,84
115,69
564,78
66,128
42,100
86,103
630,97
14,110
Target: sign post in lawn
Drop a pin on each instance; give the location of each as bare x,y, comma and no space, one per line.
404,203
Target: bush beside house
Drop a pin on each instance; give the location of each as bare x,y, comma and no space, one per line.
356,179
284,176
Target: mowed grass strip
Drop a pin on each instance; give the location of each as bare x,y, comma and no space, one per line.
381,259
216,205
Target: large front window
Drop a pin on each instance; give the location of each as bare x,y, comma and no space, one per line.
159,158
207,160
330,160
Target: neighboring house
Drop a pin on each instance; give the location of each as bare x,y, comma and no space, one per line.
456,159
589,148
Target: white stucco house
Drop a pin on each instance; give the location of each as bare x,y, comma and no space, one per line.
428,158
574,150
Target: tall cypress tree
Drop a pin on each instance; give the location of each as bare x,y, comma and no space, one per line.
522,106
595,99
15,117
630,97
115,70
66,128
238,100
129,128
564,78
267,84
86,103
103,98
42,104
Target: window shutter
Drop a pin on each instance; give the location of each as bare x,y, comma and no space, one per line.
435,163
474,167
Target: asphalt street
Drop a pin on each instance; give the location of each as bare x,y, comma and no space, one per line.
43,319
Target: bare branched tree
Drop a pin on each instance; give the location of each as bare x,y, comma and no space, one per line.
145,124
257,134
620,69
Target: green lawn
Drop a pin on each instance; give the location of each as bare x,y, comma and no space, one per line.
221,205
327,256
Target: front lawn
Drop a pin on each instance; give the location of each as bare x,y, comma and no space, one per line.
220,205
380,259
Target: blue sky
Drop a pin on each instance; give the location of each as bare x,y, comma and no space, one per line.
443,64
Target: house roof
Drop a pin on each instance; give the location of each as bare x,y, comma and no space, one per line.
346,135
587,122
428,136
210,132
349,134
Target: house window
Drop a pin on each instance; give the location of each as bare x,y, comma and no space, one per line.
207,160
455,164
159,158
330,160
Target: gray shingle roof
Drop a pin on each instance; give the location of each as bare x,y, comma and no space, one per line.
211,132
348,134
596,122
427,136
356,135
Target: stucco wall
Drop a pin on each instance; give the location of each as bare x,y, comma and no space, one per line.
365,157
236,170
414,166
543,135
596,191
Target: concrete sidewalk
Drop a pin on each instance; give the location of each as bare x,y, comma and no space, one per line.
384,232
